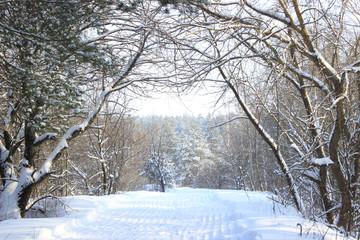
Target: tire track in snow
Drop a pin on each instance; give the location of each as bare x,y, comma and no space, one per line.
216,217
194,215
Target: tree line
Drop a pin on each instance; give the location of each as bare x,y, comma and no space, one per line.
157,153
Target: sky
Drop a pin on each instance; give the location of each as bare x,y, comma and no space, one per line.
174,105
171,104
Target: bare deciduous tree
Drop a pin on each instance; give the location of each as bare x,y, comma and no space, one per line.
299,62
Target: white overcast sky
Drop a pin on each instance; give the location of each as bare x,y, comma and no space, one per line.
171,104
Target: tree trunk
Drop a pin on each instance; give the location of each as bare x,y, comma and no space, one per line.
355,178
24,196
345,215
323,171
162,185
345,219
9,208
15,196
104,170
26,186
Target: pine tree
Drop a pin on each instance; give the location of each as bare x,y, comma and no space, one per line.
50,53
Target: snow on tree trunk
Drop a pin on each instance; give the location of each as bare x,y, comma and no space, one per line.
9,198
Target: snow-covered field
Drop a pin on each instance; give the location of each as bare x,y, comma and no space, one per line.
178,214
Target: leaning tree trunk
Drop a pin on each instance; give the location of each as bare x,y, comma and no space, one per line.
274,147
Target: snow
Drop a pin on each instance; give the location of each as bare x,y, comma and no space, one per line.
8,206
178,214
322,161
269,13
4,153
43,137
297,149
326,64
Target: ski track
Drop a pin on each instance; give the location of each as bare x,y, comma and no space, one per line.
179,214
186,216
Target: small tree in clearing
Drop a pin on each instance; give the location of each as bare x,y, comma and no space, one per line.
155,169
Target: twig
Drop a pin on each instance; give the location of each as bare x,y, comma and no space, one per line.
236,118
300,229
30,205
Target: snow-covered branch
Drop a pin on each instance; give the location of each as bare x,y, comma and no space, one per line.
222,16
44,137
322,161
117,84
22,32
271,14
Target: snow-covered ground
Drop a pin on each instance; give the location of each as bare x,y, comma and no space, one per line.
178,214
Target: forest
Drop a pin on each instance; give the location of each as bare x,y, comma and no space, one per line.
290,68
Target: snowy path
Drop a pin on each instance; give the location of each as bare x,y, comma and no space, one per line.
154,216
179,214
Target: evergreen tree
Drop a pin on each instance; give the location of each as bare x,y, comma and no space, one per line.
50,53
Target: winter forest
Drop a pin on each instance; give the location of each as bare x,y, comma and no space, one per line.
290,69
